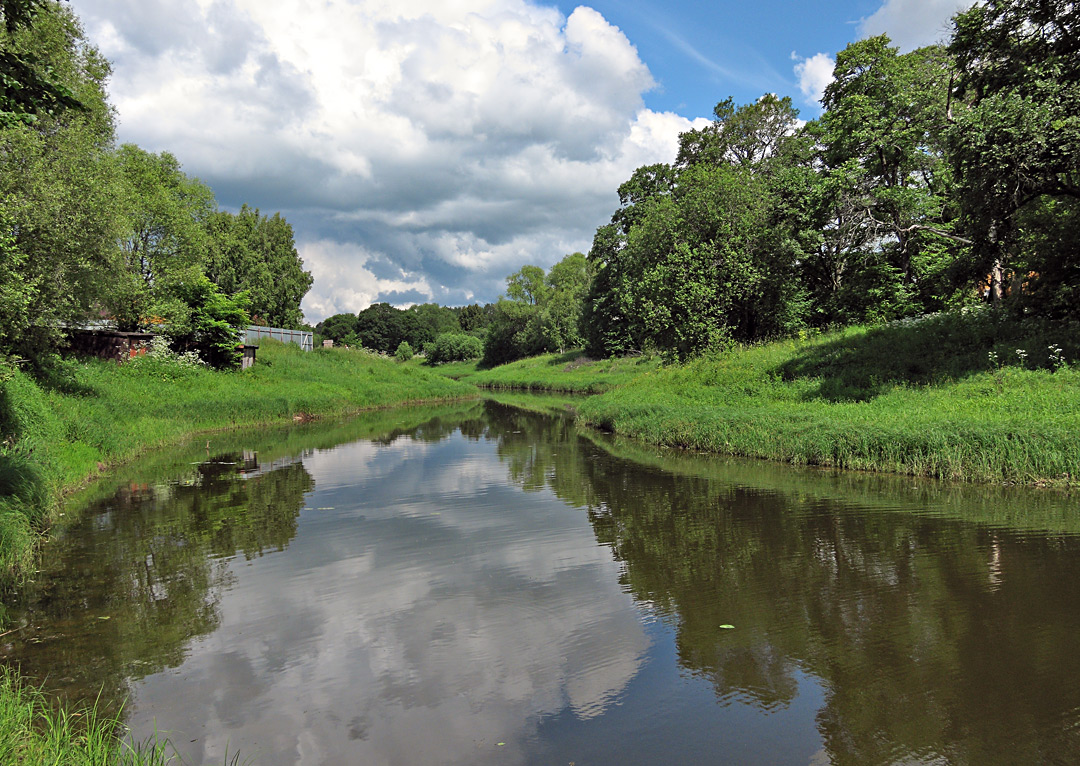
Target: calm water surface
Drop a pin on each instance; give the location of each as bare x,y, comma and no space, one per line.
479,584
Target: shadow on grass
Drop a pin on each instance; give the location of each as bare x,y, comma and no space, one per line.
574,358
570,357
52,372
24,419
927,350
21,480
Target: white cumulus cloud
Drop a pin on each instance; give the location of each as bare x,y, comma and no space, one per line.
912,24
422,150
815,74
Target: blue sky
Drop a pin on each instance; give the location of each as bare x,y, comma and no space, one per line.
701,53
423,149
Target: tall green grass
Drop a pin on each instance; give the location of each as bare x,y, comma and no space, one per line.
35,733
947,397
91,415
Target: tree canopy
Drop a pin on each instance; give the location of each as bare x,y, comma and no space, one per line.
91,231
1015,145
30,84
163,215
543,311
933,178
257,254
58,200
695,258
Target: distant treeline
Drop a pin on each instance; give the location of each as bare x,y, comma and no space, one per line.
91,230
542,313
381,327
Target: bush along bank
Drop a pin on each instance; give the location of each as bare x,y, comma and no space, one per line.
61,430
961,397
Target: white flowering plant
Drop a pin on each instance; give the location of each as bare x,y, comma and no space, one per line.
160,361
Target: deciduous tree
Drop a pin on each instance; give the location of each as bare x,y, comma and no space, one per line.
887,184
256,253
203,319
1017,148
164,216
30,84
57,193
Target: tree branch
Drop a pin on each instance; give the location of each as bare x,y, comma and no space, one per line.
898,230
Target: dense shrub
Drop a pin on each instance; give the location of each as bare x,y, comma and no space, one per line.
203,319
404,351
453,347
515,332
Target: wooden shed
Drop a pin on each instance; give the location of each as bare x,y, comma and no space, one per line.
109,344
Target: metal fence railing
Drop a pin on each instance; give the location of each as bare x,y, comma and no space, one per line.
301,338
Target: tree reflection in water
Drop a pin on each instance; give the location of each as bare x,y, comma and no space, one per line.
114,612
935,638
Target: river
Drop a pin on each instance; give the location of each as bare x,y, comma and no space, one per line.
478,583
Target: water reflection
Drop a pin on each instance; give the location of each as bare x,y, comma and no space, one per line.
123,591
425,613
937,639
484,584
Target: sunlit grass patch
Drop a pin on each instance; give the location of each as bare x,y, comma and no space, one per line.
34,732
919,398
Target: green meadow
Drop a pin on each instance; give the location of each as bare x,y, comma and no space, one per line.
570,373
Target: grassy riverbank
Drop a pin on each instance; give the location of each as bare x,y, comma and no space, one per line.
93,415
971,398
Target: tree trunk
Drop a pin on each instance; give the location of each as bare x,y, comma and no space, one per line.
997,283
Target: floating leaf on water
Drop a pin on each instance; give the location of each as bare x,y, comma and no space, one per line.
727,627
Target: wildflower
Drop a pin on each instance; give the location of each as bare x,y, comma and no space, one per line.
1057,357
